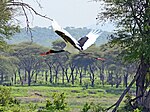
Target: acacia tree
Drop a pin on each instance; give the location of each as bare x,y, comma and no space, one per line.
133,20
9,9
28,53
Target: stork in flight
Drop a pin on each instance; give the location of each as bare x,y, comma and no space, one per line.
72,45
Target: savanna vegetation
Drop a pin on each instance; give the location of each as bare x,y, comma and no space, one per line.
66,82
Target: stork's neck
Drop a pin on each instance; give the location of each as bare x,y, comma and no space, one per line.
53,51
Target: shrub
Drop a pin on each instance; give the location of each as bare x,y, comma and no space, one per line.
57,105
5,96
92,108
86,107
9,104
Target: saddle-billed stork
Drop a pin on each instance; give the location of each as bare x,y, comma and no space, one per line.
72,45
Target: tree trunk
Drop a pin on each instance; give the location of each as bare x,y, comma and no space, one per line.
2,78
25,75
51,75
92,78
15,78
56,77
140,82
76,74
56,69
102,78
147,102
125,79
21,80
125,91
80,78
72,76
46,76
67,77
80,70
29,77
63,76
36,74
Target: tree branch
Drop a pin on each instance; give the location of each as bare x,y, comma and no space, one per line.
28,7
125,91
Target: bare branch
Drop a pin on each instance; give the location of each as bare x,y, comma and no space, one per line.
28,6
28,26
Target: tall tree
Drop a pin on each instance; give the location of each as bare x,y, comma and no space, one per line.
7,26
133,20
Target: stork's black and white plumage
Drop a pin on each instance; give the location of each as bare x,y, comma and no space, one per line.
72,45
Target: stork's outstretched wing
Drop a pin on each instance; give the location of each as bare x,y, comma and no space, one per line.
89,39
64,34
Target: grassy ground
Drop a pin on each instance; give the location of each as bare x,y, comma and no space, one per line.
76,97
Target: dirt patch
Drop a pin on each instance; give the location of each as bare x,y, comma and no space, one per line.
33,96
30,99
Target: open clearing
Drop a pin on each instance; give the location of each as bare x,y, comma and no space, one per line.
76,97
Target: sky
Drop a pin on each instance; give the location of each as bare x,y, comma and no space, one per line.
73,13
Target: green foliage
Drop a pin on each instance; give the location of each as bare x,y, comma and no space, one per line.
98,108
9,104
7,67
93,108
75,97
137,110
86,107
132,18
127,106
17,108
7,101
57,105
133,22
7,28
5,96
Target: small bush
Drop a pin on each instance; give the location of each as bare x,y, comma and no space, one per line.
10,104
57,105
5,96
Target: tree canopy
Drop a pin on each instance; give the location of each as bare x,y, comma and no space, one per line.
132,18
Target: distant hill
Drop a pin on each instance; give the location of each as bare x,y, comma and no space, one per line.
45,36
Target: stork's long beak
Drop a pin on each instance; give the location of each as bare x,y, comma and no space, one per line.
43,54
46,53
